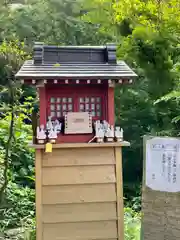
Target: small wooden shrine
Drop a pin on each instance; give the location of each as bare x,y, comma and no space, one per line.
78,149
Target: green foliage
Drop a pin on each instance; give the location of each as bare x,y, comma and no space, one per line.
132,224
12,55
132,196
21,161
19,208
16,159
147,34
54,21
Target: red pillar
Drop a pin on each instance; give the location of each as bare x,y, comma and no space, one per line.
42,105
110,105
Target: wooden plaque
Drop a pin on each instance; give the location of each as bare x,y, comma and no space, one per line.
78,123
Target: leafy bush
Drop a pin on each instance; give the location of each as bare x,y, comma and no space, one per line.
18,206
132,224
19,209
21,161
132,196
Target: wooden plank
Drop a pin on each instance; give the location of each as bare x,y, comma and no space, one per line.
78,123
82,230
83,145
38,162
79,212
78,175
119,185
79,193
79,157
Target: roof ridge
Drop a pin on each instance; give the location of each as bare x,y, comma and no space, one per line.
74,54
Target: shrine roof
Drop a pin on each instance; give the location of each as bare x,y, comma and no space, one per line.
74,62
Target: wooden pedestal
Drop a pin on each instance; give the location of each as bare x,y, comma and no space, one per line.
79,192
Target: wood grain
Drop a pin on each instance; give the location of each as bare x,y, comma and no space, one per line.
79,193
119,185
83,230
38,173
78,175
83,145
79,157
79,212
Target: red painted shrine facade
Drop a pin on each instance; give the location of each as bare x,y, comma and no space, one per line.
75,79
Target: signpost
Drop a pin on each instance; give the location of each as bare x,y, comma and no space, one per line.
161,189
163,164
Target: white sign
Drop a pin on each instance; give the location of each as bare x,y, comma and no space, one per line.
78,123
163,164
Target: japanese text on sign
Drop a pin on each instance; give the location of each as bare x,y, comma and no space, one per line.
163,164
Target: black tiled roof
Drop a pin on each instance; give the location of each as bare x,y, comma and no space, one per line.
74,62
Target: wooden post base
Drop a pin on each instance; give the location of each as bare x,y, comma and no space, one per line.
79,192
